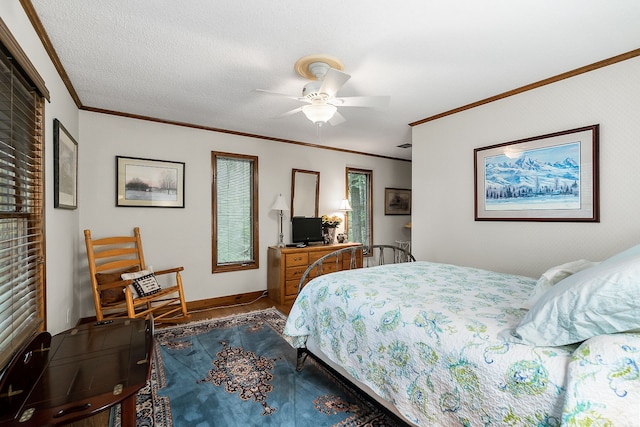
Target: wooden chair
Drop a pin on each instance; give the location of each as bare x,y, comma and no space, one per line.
113,297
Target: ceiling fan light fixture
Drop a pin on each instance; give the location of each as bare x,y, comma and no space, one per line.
319,113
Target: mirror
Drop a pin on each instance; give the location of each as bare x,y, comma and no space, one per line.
305,193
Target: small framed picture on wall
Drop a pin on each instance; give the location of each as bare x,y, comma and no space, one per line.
397,201
65,168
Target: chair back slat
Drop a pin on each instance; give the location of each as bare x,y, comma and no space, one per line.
121,264
115,252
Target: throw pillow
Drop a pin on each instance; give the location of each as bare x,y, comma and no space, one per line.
113,295
144,282
554,275
603,299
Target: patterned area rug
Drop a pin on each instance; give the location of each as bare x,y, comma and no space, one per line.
239,371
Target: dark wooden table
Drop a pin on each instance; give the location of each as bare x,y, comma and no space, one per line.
78,373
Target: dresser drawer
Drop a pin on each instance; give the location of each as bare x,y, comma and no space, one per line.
327,267
346,261
291,260
291,288
294,273
313,257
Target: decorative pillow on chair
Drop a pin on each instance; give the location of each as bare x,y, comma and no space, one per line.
113,295
144,282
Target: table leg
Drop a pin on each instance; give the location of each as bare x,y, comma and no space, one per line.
128,413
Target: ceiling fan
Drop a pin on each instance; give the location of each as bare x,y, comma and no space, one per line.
320,95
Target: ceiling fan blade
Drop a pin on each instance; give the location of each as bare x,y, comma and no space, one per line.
361,101
337,119
333,81
281,95
288,113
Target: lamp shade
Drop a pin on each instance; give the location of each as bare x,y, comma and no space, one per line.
345,206
319,113
280,204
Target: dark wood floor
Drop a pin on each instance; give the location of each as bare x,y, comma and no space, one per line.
102,419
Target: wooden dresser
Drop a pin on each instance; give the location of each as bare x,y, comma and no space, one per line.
287,265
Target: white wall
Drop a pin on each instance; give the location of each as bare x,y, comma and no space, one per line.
61,225
444,229
183,236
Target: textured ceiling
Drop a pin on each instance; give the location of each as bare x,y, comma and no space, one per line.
197,61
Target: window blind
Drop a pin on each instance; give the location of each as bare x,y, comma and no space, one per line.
234,211
235,222
21,209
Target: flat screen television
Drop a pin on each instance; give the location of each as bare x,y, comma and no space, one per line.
306,230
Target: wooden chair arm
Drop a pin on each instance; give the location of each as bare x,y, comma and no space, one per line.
126,282
169,270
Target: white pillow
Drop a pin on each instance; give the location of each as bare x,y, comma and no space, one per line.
144,282
603,299
553,276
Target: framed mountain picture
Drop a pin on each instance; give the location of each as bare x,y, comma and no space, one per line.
551,177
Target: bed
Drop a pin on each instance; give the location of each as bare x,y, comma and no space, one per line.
443,345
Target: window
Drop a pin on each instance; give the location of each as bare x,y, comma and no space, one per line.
360,219
235,212
21,204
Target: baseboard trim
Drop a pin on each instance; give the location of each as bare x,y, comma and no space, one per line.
206,304
229,300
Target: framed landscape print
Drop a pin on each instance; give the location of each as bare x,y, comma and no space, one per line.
149,183
65,168
551,177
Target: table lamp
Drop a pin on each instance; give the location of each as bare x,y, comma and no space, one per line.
280,205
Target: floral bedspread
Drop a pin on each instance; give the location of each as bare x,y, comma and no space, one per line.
425,337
